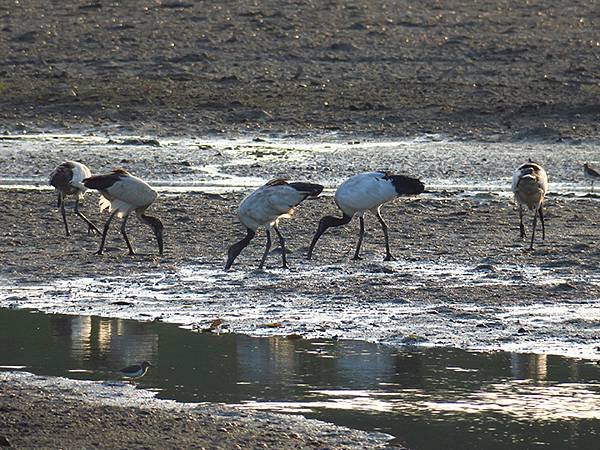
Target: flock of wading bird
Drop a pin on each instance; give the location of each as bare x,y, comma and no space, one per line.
123,193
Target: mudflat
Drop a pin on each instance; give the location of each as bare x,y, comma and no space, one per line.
486,70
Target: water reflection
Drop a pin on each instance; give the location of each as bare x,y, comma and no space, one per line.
524,366
429,397
114,342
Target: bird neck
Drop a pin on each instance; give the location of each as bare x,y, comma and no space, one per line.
157,227
236,248
325,223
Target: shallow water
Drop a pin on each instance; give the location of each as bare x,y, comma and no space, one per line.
219,165
428,398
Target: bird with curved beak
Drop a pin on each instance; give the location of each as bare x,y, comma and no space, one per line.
67,180
264,207
363,192
123,193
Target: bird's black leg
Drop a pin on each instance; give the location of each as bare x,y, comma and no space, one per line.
61,204
124,233
282,245
361,233
91,227
533,230
384,227
522,227
592,190
541,213
105,232
267,248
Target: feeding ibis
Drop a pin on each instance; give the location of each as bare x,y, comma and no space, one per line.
67,180
367,191
123,193
591,174
530,184
264,207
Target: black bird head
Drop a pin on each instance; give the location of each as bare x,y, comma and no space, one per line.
236,248
157,227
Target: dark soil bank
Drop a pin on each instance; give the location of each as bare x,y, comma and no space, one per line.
487,69
51,413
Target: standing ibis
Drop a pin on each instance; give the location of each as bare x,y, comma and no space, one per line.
530,184
123,193
264,207
591,174
367,191
67,180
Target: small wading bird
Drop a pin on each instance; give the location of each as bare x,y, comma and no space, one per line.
367,191
530,184
123,193
264,207
591,174
137,370
67,180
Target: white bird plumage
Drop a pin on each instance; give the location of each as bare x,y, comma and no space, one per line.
530,185
67,180
123,193
367,191
264,207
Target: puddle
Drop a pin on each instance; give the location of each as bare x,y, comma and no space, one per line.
428,398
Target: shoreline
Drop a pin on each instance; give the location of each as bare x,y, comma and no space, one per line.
56,412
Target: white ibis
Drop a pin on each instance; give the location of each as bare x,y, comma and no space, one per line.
591,174
67,180
264,207
530,184
367,191
123,193
136,370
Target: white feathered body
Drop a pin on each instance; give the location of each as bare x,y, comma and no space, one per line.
363,192
269,203
67,178
128,194
530,185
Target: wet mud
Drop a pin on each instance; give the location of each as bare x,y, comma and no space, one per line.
72,413
463,276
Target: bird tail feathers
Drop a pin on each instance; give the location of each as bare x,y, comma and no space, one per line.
309,189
